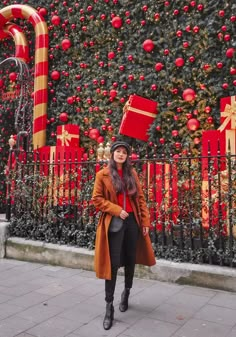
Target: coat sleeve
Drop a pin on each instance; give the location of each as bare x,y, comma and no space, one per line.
101,197
144,216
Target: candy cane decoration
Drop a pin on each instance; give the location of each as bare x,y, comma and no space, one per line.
41,65
21,43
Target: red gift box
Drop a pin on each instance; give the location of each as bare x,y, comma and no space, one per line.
60,159
62,165
139,114
228,113
68,135
165,198
213,143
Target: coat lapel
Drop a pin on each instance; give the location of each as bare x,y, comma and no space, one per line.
109,186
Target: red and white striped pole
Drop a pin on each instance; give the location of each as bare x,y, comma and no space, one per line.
41,65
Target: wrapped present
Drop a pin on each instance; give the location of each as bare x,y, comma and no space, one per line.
62,167
139,114
213,160
59,158
230,141
213,144
68,135
228,113
212,210
161,184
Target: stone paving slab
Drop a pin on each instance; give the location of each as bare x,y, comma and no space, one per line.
39,300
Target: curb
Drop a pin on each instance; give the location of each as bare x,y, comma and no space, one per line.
3,236
215,277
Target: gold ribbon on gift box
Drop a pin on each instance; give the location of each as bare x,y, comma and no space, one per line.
66,137
128,107
230,114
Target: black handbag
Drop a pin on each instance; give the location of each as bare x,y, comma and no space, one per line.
117,223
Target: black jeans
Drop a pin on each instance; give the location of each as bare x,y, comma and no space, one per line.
122,246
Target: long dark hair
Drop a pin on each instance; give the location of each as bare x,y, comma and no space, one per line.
127,182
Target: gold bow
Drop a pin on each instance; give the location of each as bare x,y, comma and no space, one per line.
66,137
128,107
230,114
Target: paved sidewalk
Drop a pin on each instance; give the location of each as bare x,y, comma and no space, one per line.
46,301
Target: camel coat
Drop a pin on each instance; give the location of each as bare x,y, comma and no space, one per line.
105,199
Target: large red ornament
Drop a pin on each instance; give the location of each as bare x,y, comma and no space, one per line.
66,44
56,20
189,95
55,75
230,52
94,134
113,93
148,45
43,11
13,76
111,55
193,124
159,66
100,139
179,62
70,100
63,117
117,22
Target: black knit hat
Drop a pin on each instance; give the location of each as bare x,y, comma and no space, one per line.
119,143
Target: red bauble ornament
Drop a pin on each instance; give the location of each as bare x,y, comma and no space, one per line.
94,134
157,16
113,93
153,87
134,156
175,133
65,44
179,62
225,86
159,66
70,100
193,124
100,139
221,13
189,95
178,145
210,120
43,11
111,55
117,22
162,140
56,20
232,71
148,45
1,83
13,76
63,117
55,75
230,52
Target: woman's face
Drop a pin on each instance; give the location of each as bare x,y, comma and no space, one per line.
120,155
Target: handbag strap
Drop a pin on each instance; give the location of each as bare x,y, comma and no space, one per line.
124,201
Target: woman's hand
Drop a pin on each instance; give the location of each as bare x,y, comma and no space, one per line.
145,231
123,214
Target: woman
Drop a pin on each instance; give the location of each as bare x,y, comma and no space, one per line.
129,246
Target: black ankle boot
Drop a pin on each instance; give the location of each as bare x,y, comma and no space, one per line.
124,300
108,319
